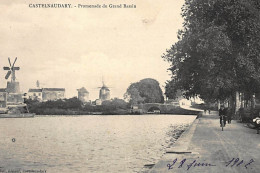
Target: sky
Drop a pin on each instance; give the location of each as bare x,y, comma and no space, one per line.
74,48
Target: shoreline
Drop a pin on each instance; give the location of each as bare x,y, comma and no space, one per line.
112,115
186,112
179,146
179,133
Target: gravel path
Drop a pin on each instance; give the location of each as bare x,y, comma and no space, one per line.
205,148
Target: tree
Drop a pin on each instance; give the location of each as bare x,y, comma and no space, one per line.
73,103
171,89
115,104
119,103
145,91
218,52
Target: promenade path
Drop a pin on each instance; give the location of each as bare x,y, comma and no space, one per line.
204,144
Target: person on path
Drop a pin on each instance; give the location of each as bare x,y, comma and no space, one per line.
222,111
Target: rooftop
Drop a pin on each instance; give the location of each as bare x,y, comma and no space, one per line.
35,90
2,89
83,89
53,89
105,88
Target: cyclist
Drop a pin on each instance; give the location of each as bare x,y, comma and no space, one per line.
222,111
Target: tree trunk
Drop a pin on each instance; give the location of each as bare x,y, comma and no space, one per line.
218,104
237,102
253,101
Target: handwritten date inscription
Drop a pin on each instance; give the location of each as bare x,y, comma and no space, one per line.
238,162
188,165
234,162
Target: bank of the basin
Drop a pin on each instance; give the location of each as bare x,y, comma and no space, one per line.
75,107
205,148
173,135
101,111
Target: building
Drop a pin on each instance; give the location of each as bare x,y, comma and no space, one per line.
10,96
3,97
45,94
83,95
35,94
14,98
104,93
98,102
53,93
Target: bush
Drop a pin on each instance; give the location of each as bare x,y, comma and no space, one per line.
73,106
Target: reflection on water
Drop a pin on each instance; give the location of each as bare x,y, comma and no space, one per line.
86,143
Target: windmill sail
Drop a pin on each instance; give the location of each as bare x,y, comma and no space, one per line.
16,68
9,62
6,68
11,70
14,62
8,74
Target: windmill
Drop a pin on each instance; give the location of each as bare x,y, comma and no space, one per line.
104,92
11,70
12,86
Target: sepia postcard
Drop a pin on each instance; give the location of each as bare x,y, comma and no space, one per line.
85,86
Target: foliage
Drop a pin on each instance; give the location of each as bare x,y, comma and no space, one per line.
133,95
116,104
218,51
74,106
145,91
54,107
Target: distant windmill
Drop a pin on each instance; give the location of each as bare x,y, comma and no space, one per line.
11,70
104,92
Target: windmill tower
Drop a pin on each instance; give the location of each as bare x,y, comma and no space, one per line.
83,95
13,88
104,92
